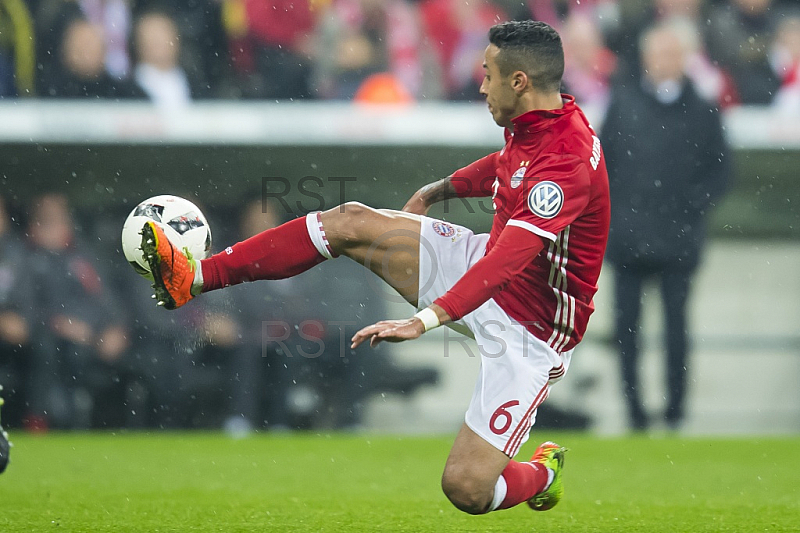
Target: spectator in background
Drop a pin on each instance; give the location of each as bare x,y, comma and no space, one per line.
158,72
204,355
604,13
785,57
686,9
689,19
262,370
358,39
204,45
183,379
112,17
622,27
80,336
588,63
739,36
79,71
271,46
668,164
382,88
456,31
15,321
17,60
52,18
710,81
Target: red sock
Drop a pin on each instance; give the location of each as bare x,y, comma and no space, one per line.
523,482
277,253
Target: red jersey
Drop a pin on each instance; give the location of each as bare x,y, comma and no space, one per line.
550,179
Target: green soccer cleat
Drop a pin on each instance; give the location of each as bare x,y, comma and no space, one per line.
4,444
550,455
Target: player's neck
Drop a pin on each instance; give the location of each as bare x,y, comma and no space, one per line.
536,101
533,101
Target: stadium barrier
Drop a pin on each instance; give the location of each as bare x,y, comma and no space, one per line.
106,154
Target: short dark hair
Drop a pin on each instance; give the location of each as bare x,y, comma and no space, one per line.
533,47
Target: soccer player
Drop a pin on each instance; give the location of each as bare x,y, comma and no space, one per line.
524,290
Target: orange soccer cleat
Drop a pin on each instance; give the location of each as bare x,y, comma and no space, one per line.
173,270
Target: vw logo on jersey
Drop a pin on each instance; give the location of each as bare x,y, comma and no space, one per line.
516,177
546,199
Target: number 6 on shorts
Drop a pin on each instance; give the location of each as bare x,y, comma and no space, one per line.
501,412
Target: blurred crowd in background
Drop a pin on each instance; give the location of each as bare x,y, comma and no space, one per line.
738,51
82,344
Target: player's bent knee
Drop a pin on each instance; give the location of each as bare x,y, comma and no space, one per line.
465,493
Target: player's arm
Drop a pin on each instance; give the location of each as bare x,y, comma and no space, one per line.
432,193
518,245
514,250
525,235
474,180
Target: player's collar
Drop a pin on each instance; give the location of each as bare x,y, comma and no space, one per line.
540,119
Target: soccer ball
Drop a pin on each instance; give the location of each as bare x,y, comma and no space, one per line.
184,224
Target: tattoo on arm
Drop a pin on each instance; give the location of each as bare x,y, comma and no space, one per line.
438,191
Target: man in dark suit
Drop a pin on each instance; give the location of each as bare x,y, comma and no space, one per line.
667,165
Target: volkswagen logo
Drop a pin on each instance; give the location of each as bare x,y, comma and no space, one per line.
546,199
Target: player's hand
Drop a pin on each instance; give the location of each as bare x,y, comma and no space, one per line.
390,331
416,205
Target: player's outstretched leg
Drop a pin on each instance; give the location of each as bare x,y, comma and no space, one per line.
479,478
385,241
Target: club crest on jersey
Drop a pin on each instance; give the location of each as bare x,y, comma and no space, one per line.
516,177
443,228
546,199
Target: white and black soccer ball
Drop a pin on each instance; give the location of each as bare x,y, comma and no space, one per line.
182,222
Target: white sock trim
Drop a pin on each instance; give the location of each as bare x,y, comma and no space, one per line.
197,283
317,234
550,475
500,491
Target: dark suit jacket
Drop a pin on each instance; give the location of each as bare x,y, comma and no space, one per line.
667,165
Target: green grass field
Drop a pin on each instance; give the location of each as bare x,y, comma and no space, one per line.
207,482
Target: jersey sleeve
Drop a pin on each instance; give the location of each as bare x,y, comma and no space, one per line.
554,195
514,250
476,179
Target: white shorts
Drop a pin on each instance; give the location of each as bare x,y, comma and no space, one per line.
516,367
